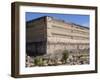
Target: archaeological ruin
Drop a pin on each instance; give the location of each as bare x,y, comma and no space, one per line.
47,35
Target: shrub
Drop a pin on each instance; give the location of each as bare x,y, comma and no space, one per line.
65,56
38,61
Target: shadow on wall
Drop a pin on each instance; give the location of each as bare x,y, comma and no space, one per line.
36,48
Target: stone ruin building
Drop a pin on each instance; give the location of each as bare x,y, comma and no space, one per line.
47,35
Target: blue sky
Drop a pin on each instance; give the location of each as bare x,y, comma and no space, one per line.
78,19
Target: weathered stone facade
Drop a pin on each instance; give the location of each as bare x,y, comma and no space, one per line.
47,35
36,37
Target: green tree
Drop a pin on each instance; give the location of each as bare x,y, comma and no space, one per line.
65,56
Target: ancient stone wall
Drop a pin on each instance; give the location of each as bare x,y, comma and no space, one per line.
36,37
66,36
47,35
